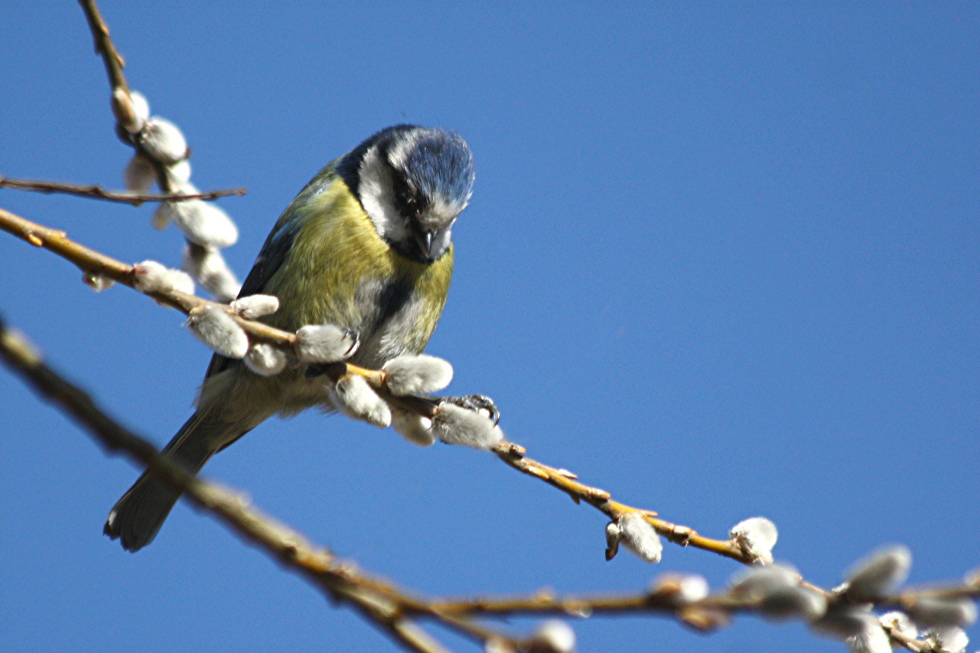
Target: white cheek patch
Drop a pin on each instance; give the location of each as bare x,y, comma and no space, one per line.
398,154
377,198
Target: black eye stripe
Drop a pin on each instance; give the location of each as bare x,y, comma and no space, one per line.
408,201
441,164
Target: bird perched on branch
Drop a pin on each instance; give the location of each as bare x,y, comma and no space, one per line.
364,246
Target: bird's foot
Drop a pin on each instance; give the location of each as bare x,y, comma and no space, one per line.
478,403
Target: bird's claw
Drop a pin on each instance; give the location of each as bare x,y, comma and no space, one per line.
478,403
320,369
355,338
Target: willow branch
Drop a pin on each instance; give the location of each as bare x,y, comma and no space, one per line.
547,603
96,263
135,130
114,64
513,455
910,643
97,192
378,601
104,47
389,608
91,261
579,606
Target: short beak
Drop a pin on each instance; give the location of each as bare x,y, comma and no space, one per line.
424,240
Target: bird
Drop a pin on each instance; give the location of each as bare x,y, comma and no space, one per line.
365,246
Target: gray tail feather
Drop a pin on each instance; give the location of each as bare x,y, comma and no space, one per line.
139,514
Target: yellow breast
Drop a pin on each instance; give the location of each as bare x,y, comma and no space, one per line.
340,271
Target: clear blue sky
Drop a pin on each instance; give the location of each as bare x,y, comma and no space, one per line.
721,261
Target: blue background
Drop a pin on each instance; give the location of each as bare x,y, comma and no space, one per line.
721,261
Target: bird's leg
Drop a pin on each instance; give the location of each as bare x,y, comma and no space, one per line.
479,403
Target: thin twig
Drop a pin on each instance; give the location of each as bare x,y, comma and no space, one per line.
511,454
911,643
97,192
514,455
287,546
104,47
390,608
96,263
381,602
114,64
131,129
377,600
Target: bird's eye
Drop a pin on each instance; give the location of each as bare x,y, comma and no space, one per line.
406,198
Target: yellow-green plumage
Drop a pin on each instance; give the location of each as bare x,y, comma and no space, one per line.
336,257
364,246
336,250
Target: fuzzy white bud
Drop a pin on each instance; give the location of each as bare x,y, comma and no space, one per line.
141,106
97,282
757,535
417,374
639,537
265,359
354,397
877,574
150,277
414,428
843,621
201,222
179,174
929,612
208,224
872,639
219,331
757,582
126,111
207,265
163,141
498,645
139,175
251,307
162,216
793,602
325,343
972,577
900,622
553,636
613,535
951,639
456,425
693,588
678,589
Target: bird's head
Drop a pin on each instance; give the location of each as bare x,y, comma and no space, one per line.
412,182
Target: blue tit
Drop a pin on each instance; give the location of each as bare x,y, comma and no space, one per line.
364,246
